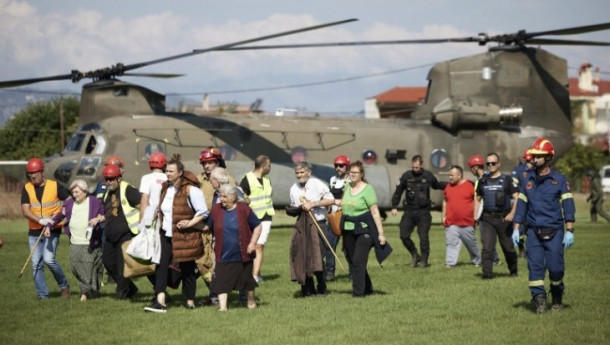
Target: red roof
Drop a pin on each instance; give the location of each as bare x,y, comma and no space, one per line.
603,87
402,95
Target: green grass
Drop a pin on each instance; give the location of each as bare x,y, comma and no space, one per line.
410,306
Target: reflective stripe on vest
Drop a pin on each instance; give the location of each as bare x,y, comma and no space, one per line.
48,207
260,196
132,214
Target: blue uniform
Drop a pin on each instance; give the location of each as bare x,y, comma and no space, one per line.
545,204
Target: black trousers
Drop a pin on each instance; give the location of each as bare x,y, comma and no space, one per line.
357,248
112,258
162,272
422,219
492,227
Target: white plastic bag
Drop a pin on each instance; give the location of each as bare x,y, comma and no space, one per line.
143,245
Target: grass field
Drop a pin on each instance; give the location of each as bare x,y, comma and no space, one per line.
410,306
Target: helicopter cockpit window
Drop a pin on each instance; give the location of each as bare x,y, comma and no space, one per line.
88,166
439,158
148,147
76,142
91,145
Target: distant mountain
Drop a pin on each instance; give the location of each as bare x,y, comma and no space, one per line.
12,101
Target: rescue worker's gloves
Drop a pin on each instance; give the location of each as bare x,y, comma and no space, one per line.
515,237
568,239
45,222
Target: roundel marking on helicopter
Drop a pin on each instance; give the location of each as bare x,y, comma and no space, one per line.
439,158
228,152
298,154
369,157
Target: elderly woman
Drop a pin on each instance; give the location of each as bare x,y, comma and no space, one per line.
181,208
83,213
236,230
361,229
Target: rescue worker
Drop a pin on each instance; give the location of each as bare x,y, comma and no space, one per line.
337,186
257,186
156,162
209,158
495,192
477,168
41,200
519,173
596,197
545,204
416,184
121,201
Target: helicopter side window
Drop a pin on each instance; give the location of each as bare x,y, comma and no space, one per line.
439,158
100,146
91,145
76,142
228,152
88,166
298,154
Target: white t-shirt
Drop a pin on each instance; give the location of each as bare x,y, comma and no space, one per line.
148,181
314,190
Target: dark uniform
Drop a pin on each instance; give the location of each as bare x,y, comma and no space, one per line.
416,209
497,194
519,174
545,203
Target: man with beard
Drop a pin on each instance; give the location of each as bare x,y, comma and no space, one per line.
546,205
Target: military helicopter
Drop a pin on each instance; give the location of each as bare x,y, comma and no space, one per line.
500,101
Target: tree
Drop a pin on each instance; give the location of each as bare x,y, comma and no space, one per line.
578,160
35,131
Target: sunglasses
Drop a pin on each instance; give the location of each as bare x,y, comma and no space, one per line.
539,156
491,164
340,165
110,179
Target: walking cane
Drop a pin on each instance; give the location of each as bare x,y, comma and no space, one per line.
31,253
326,240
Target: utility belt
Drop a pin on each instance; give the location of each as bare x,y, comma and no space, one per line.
500,214
544,234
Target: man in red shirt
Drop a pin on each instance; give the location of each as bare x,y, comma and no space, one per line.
458,218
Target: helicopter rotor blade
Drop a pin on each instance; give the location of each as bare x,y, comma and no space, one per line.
154,75
547,41
357,43
21,82
229,45
571,31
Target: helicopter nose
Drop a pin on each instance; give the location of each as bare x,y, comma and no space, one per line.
63,173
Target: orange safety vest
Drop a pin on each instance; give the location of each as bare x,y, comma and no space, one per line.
48,207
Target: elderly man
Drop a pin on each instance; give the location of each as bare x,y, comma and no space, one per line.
310,195
458,218
41,201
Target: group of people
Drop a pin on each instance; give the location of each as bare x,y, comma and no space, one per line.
208,226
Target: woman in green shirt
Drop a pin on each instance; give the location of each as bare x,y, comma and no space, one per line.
361,227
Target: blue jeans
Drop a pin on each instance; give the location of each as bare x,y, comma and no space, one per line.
333,240
45,253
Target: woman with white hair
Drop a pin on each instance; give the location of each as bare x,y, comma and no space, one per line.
236,230
83,214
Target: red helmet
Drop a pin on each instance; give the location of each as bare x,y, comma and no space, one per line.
114,160
209,154
111,171
342,160
157,160
527,154
35,165
476,160
542,146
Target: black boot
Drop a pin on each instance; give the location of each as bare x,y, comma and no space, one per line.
557,303
415,258
540,303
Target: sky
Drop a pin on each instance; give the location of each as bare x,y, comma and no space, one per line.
43,38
